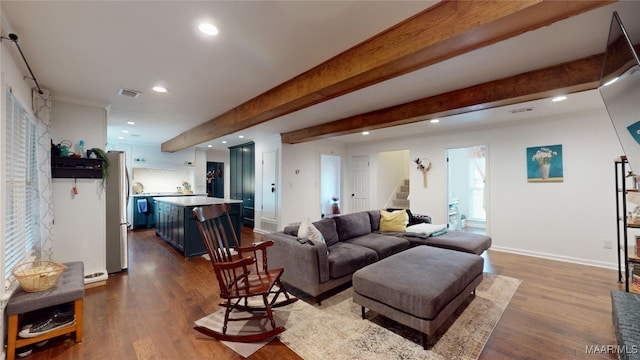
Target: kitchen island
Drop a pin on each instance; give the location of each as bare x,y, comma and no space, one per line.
144,208
176,224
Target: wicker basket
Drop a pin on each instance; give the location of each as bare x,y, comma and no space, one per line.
38,275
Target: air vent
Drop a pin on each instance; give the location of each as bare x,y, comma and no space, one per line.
129,93
521,110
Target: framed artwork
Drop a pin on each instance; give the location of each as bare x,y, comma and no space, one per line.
544,163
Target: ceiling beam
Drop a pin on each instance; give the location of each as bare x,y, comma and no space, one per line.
445,30
578,75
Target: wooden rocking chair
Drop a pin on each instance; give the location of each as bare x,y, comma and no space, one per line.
239,275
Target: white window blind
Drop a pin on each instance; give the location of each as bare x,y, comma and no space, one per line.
22,234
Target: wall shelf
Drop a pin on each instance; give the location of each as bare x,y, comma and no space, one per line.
79,168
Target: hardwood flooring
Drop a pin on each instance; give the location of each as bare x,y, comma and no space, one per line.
147,312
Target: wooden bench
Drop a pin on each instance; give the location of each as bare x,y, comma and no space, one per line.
69,288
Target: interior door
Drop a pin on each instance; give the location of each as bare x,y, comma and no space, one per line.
269,185
359,183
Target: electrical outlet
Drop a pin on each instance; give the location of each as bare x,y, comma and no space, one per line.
608,244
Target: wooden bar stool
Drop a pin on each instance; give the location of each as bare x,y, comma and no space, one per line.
69,289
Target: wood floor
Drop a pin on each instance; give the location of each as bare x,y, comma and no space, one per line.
147,312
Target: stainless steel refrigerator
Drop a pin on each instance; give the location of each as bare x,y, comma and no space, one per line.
117,198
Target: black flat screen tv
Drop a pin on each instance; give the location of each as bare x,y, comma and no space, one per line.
620,90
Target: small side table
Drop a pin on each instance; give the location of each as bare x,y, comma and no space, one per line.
69,288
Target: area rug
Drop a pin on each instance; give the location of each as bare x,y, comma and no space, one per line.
336,330
215,321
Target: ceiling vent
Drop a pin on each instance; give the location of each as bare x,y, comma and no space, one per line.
129,93
521,110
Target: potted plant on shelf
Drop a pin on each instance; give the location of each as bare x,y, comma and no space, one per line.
101,154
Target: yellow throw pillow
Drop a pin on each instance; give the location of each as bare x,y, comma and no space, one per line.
393,221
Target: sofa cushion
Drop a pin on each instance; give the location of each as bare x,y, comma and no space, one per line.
383,245
345,259
352,225
454,240
374,218
327,228
395,221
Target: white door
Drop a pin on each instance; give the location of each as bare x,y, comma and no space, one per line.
359,183
269,185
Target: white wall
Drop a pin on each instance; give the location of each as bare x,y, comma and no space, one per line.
80,220
300,179
567,221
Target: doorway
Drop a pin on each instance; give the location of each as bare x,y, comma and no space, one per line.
359,183
330,189
467,188
215,179
269,186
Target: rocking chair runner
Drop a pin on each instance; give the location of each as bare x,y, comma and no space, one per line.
239,275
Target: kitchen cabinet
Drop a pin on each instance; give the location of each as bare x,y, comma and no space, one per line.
176,224
242,179
143,219
148,219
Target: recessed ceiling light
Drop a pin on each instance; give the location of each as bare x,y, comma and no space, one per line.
120,137
611,81
559,98
434,121
208,29
125,131
160,89
130,123
241,136
365,133
224,141
209,145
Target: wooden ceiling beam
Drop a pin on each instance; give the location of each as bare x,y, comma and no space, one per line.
574,76
445,30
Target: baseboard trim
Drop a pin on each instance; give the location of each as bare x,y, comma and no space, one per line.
260,231
573,260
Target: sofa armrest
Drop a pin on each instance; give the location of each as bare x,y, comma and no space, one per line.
304,264
420,219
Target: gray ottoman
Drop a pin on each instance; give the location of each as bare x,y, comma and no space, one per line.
419,287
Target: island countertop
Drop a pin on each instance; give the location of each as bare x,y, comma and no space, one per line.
164,194
194,200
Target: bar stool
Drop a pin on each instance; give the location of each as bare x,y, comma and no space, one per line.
69,288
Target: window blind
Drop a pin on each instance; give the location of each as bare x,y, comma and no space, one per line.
22,234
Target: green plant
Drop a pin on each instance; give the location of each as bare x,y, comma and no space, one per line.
105,163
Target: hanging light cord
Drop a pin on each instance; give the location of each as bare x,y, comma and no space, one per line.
14,38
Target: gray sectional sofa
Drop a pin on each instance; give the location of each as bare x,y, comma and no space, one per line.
352,241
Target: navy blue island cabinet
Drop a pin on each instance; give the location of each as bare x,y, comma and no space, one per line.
176,224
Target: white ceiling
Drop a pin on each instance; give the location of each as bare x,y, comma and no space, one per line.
84,51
